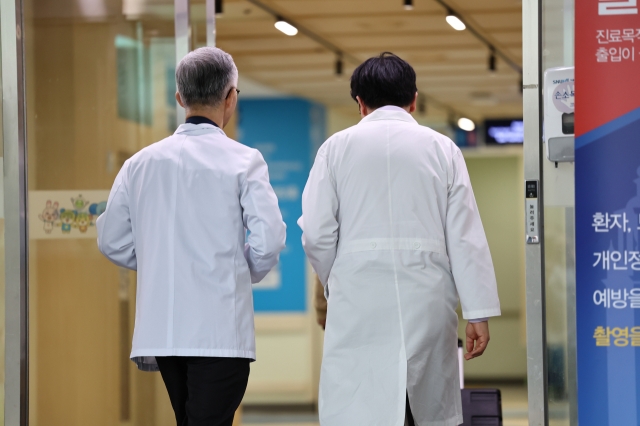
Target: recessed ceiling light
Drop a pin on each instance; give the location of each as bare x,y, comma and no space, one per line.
286,27
455,22
466,124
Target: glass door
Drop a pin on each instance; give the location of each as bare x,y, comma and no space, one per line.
549,95
557,61
100,86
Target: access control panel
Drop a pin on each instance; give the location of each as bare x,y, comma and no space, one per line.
531,212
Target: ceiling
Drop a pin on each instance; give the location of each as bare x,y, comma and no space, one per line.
452,66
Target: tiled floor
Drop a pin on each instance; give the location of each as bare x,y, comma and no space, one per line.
514,411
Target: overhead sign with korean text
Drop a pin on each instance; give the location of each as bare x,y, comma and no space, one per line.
607,158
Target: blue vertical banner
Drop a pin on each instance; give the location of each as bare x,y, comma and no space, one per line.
608,212
287,131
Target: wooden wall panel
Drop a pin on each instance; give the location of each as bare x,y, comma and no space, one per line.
78,362
77,314
75,289
80,371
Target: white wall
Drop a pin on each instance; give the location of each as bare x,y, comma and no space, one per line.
497,179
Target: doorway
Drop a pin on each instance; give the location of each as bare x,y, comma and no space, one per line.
98,78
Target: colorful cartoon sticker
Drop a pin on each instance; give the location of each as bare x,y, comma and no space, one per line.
49,216
76,217
67,220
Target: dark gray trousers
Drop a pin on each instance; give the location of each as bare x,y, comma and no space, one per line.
204,391
409,417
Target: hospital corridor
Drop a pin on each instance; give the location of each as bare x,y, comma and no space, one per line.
88,84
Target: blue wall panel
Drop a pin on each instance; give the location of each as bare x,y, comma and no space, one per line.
287,131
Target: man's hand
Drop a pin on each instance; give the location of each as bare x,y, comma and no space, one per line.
322,322
478,336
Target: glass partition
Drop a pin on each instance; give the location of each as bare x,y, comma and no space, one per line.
558,177
100,86
2,260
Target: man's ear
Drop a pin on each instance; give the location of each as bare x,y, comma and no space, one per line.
179,100
228,102
414,104
361,108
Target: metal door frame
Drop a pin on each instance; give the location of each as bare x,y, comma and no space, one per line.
15,205
534,253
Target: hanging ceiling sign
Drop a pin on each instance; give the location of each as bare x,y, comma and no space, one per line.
607,158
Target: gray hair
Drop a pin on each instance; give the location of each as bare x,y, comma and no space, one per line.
205,76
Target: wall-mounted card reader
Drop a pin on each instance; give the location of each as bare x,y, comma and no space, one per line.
531,212
559,107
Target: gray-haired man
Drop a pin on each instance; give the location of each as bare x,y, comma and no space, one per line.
178,214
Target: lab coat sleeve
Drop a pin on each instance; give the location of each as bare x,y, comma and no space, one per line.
319,221
115,235
262,217
468,249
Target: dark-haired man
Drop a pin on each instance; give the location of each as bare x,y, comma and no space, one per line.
392,229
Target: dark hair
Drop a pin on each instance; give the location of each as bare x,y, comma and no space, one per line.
384,80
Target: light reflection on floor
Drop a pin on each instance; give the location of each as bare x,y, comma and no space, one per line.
514,411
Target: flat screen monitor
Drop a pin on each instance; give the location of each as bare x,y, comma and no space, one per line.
504,132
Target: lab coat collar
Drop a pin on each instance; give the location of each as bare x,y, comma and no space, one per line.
387,113
197,129
198,119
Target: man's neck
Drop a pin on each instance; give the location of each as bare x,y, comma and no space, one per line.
366,110
196,119
214,114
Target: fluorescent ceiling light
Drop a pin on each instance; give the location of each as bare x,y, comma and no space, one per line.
466,124
455,22
286,27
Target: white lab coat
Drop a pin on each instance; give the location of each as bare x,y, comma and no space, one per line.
392,228
178,214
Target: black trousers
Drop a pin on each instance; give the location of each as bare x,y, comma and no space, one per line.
409,416
204,391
